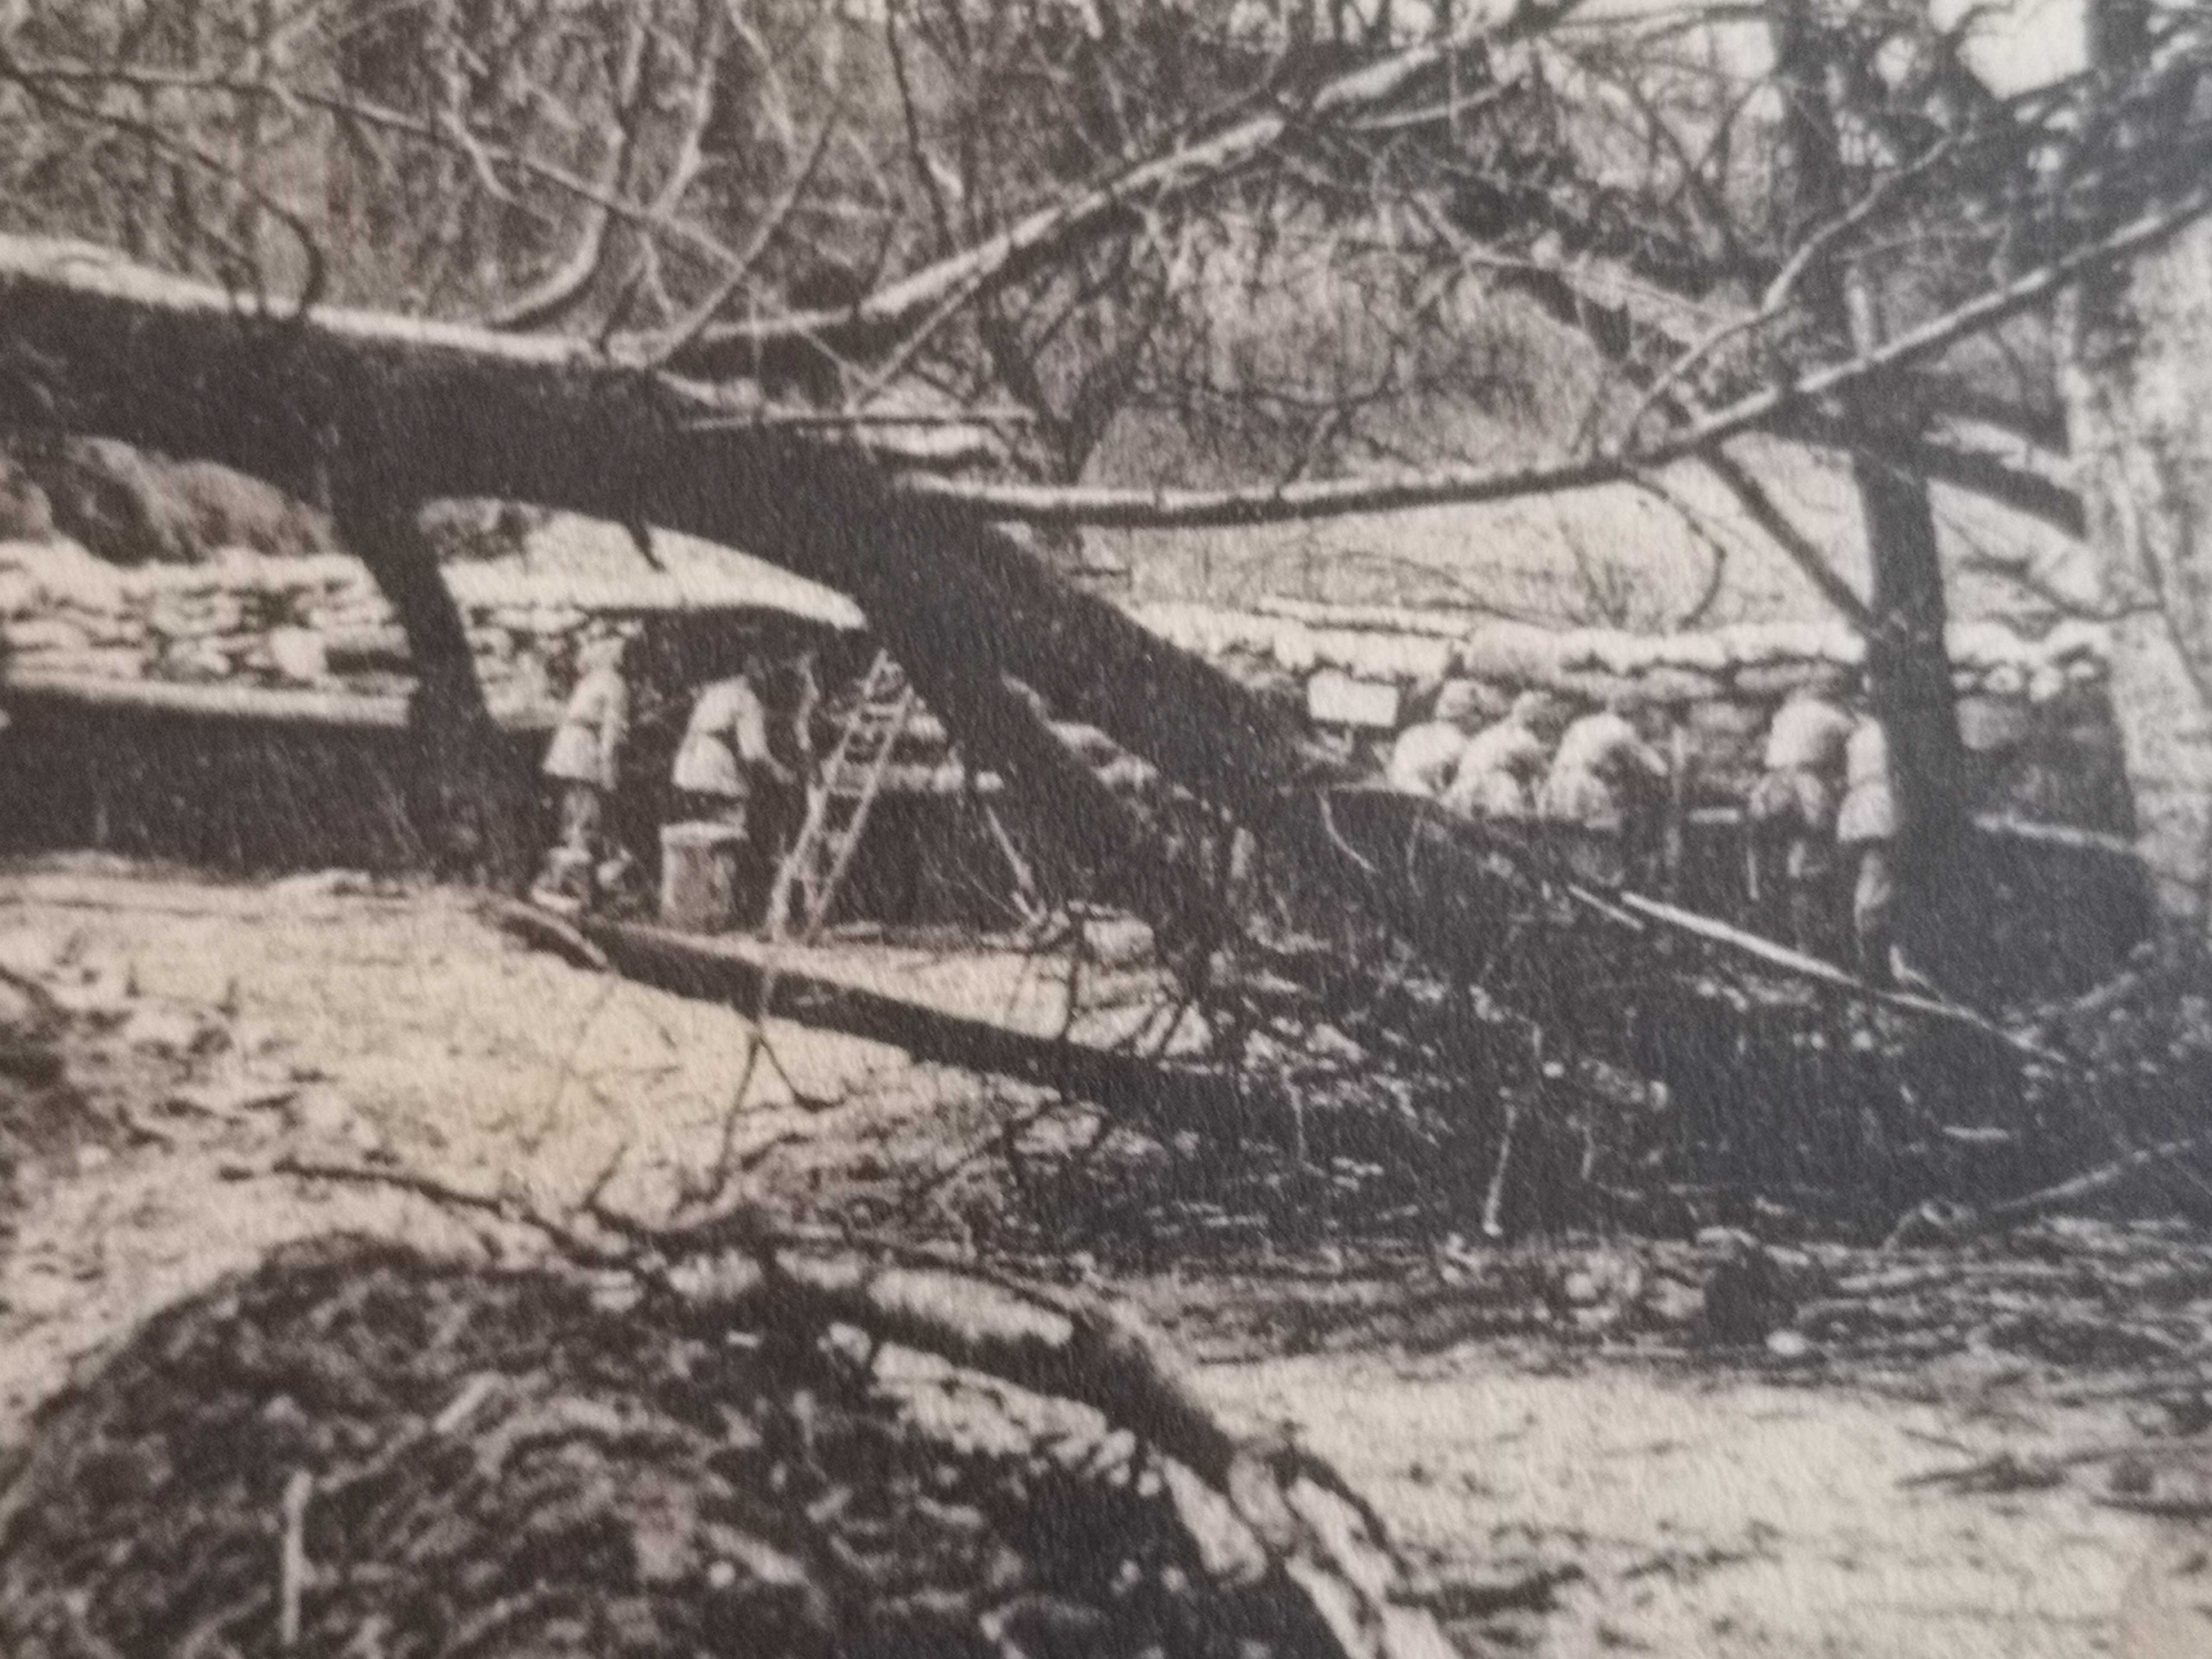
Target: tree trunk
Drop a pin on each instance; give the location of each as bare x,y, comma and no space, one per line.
2139,399
1909,684
2137,378
1908,670
475,810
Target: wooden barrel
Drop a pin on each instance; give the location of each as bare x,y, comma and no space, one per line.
699,875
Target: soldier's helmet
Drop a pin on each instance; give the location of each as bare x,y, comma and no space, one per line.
1460,702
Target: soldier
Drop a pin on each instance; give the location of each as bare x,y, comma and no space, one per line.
1603,790
1866,833
725,755
583,762
1793,812
1422,758
1499,768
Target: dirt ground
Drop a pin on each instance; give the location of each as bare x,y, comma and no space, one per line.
1571,1496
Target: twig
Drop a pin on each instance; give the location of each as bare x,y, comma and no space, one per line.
534,926
500,1207
1827,973
1964,1225
292,1558
1531,1592
1494,1199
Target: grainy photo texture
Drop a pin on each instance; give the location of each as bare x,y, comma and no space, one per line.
1105,829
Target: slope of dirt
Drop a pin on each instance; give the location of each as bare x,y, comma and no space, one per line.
1517,1415
362,1452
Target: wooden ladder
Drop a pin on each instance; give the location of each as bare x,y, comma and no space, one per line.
823,852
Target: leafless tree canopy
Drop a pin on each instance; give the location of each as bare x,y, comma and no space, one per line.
1319,243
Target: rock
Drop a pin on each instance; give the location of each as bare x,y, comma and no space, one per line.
20,595
1671,1303
230,509
1789,1345
1724,721
324,883
113,498
1770,681
107,663
18,1011
101,999
1598,1290
35,635
170,1029
1993,725
1594,686
117,629
1673,687
1748,1292
34,953
71,577
298,655
194,661
26,515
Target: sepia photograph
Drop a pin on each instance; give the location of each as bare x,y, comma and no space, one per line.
1105,829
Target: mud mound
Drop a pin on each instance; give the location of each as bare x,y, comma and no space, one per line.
356,1451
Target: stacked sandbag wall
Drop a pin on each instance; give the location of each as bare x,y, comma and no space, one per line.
317,621
240,790
291,785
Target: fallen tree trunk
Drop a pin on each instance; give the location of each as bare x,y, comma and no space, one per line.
1161,1094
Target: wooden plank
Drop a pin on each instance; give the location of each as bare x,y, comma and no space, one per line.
27,689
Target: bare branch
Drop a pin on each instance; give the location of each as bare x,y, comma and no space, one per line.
1289,503
1801,550
1051,232
558,294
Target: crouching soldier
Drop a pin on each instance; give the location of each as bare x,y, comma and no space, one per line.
1603,792
583,764
1499,768
1793,814
1423,759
